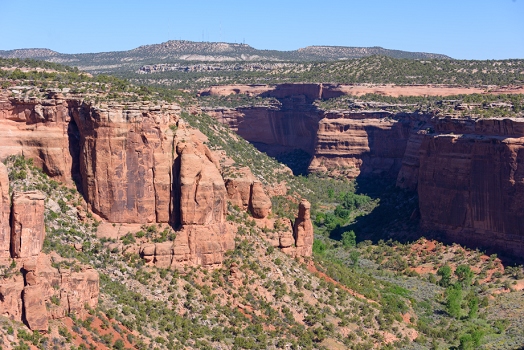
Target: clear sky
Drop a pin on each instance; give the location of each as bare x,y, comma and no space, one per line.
467,29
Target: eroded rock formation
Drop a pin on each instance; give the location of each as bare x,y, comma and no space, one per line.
27,224
366,143
135,163
471,182
23,297
120,155
466,171
303,230
246,192
38,129
199,208
5,203
125,161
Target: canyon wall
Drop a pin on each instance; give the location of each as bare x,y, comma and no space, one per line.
471,182
467,172
125,158
360,143
119,156
133,163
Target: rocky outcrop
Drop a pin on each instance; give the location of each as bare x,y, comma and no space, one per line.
11,303
27,224
5,210
303,230
260,202
466,171
34,308
121,155
125,161
199,208
24,297
41,130
202,189
244,191
66,290
294,239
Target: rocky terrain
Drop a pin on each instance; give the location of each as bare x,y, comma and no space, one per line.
131,219
23,296
423,151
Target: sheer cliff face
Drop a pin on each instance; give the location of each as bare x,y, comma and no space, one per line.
278,130
37,129
121,158
361,143
471,185
125,162
467,172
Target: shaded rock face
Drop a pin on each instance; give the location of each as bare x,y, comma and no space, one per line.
471,186
367,144
278,130
27,224
303,230
467,172
5,210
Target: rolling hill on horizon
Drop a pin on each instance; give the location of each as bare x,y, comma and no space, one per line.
183,50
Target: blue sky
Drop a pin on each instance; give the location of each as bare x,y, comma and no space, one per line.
466,29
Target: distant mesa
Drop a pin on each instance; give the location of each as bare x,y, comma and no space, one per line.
210,51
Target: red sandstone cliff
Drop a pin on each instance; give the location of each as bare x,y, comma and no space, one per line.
125,161
467,172
38,129
24,296
471,182
361,143
5,202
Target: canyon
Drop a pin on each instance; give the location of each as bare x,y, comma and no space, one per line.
467,171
